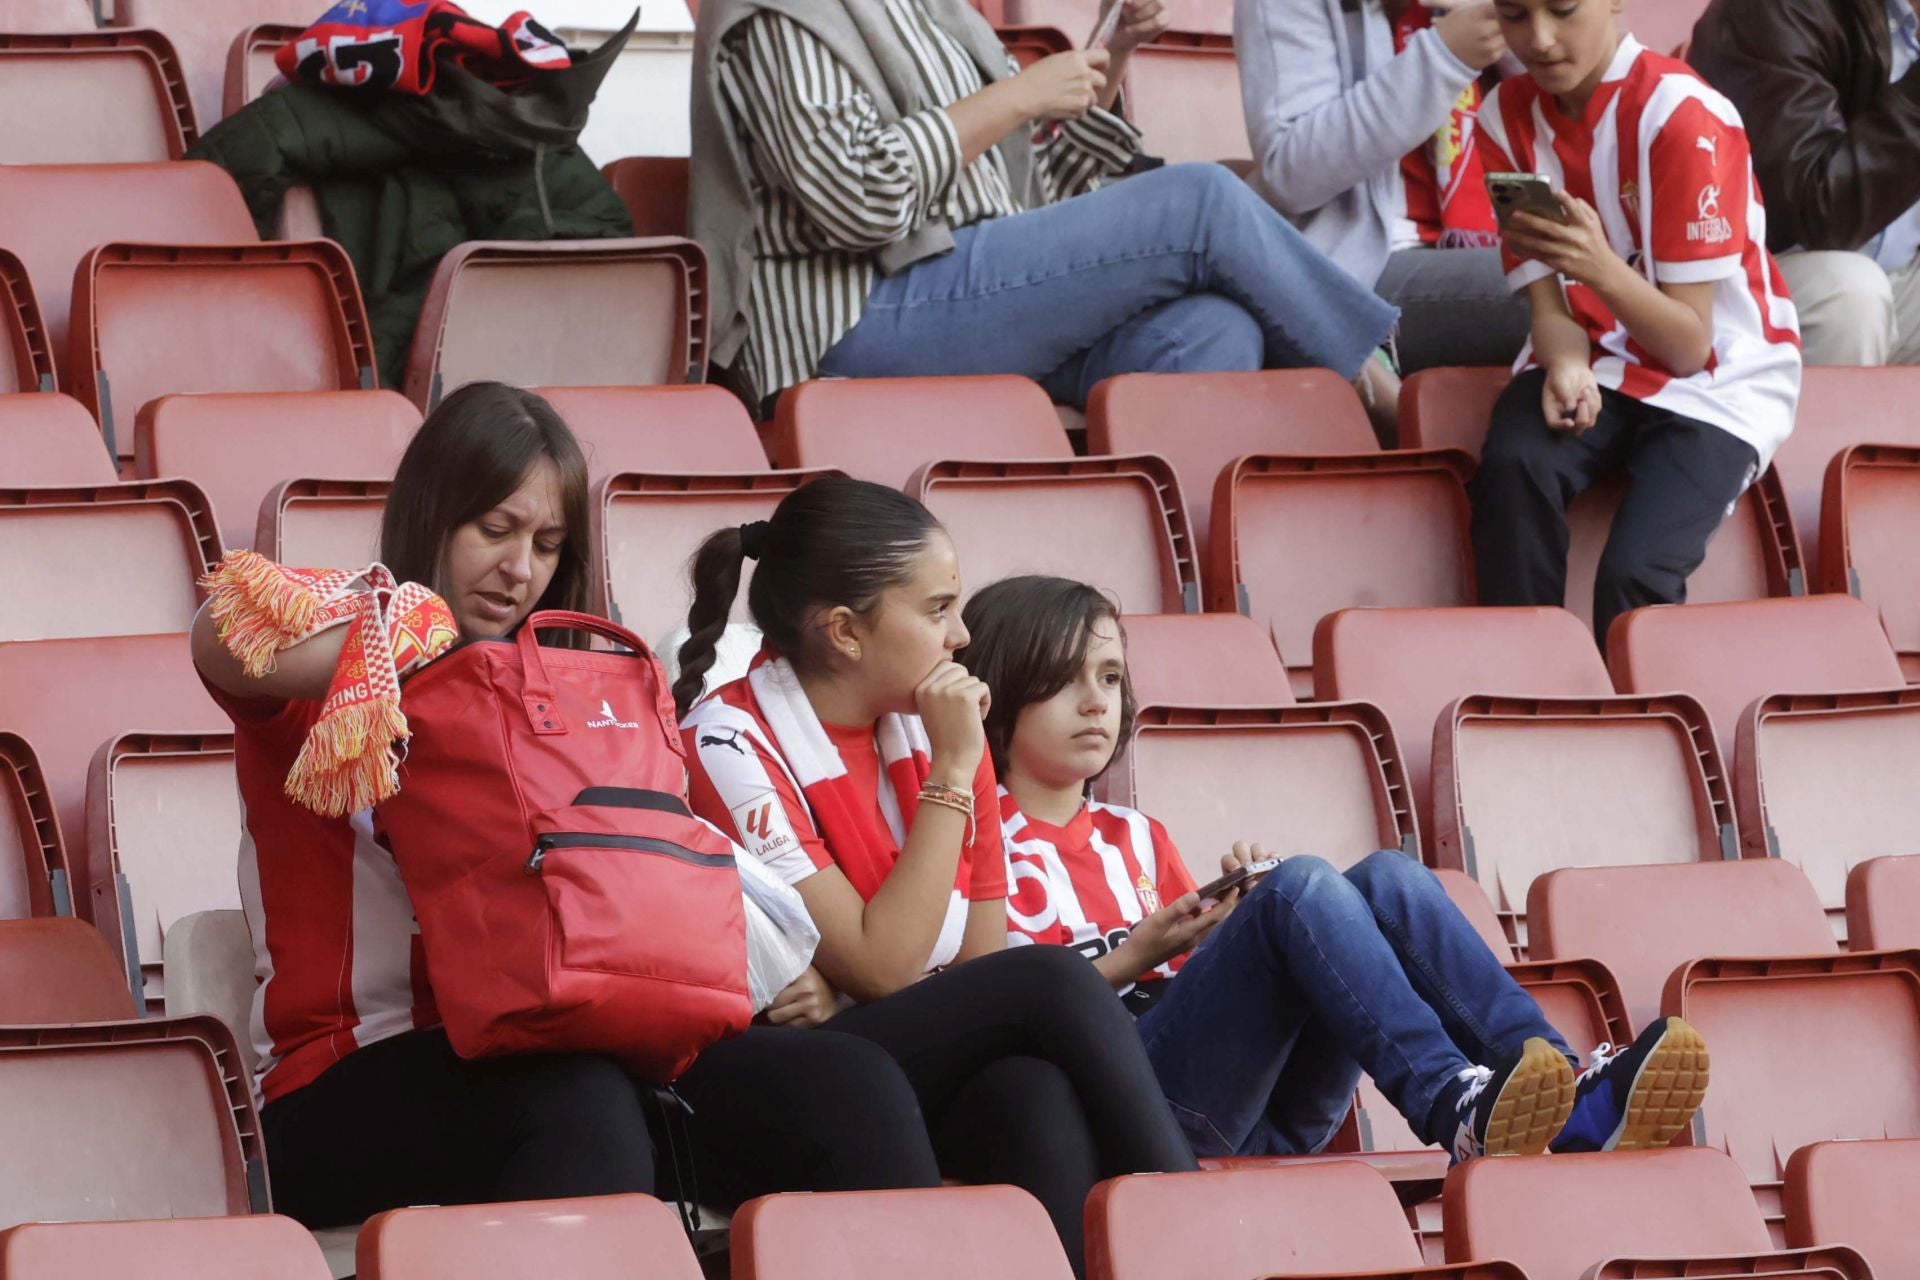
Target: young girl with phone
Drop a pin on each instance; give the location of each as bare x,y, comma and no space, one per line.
1260,1012
851,759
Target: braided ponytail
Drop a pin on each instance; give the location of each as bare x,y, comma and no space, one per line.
716,581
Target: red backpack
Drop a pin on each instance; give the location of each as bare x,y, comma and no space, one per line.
567,899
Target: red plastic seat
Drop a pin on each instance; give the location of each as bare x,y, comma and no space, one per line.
695,427
593,1238
53,214
1027,45
240,446
35,879
1883,904
26,352
1662,25
1523,786
92,97
654,189
322,523
50,439
1183,93
1860,1194
47,15
578,313
150,321
1117,523
1201,422
1412,662
1074,17
940,1233
1449,408
1868,532
60,970
249,1248
250,62
881,429
1204,660
1841,407
1296,539
202,32
1643,923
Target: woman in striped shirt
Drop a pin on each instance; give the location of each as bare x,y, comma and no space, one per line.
883,194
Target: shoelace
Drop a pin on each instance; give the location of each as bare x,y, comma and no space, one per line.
1477,1079
1603,1054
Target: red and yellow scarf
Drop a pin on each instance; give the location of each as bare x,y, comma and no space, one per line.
1446,198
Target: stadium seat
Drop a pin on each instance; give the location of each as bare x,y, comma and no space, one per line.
1449,408
53,214
1841,407
50,439
322,523
34,876
202,32
1883,904
46,15
1296,539
1867,535
1643,923
578,313
654,189
1201,422
1027,45
1183,94
1662,25
240,446
1412,662
60,970
595,1238
1076,18
1117,523
1204,660
26,352
146,1118
1859,1194
250,1248
163,835
694,427
150,321
1522,786
92,97
250,65
939,1233
881,429
651,524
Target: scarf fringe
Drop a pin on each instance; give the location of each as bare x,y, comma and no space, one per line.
350,760
258,609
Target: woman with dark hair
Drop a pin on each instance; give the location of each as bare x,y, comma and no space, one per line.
366,1106
851,760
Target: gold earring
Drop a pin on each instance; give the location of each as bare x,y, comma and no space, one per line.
854,653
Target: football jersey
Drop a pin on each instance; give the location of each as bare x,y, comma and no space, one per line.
738,782
1087,884
336,948
1663,158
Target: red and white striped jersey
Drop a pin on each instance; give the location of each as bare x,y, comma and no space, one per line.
1085,885
336,947
1663,158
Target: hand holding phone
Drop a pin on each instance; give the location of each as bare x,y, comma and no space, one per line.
1108,24
1244,876
1513,193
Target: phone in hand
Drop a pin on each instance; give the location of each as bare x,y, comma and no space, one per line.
1513,193
1240,877
1109,23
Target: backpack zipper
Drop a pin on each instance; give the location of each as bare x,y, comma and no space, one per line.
638,844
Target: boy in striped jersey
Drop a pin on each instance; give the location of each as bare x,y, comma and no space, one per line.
1259,1036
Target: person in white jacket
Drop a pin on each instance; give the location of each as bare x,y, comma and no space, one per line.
1361,114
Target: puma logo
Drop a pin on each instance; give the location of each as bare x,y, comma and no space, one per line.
731,742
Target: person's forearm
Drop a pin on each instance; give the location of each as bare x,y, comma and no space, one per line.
1558,338
903,918
1672,332
982,119
1121,967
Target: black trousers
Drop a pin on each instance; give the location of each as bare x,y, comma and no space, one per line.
1683,477
1030,1072
407,1121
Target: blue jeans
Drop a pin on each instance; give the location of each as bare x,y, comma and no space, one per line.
1180,269
1260,1039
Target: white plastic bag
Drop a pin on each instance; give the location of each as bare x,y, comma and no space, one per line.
781,937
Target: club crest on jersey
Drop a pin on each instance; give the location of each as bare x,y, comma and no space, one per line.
610,719
1149,896
1710,228
763,826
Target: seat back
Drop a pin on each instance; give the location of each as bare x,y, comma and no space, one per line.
1319,778
1117,523
150,321
26,353
53,214
1204,660
1412,662
209,963
92,97
1523,786
60,969
1662,25
50,439
1868,532
250,62
34,876
693,427
163,1249
982,1231
202,33
1028,45
47,15
1857,1193
1201,422
240,446
654,189
1183,94
596,1238
882,429
1841,407
1449,408
1299,538
548,313
328,524
1883,904
1645,922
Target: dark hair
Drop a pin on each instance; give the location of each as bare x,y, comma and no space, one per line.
1029,638
469,456
833,542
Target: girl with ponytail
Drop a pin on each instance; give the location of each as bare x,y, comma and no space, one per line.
852,760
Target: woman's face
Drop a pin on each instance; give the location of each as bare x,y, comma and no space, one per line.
914,628
499,565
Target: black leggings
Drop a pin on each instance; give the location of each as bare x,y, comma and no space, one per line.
407,1121
1030,1072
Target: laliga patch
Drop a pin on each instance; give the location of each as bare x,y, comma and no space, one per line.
763,826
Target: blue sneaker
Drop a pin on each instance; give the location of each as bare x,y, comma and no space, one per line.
1513,1110
1639,1097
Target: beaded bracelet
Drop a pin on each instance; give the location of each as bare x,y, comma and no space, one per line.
964,797
958,806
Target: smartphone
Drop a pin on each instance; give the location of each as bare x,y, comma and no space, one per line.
1241,877
1513,193
1108,24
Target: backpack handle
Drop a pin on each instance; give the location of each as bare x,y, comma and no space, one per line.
543,711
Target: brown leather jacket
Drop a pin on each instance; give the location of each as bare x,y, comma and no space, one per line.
1836,146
